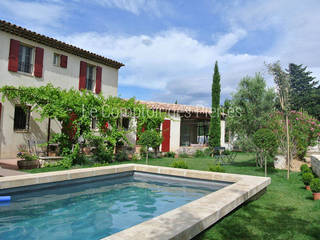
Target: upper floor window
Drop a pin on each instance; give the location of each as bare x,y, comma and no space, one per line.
90,77
25,59
56,59
21,118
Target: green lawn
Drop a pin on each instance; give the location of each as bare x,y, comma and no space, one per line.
286,211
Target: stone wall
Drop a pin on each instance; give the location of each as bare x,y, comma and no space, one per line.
315,164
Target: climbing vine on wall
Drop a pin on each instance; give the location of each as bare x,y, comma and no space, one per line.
75,111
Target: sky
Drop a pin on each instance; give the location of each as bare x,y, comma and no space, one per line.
169,47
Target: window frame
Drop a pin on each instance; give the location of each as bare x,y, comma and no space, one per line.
93,80
32,59
27,123
57,64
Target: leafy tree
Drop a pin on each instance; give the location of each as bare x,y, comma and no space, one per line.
304,93
150,138
252,103
215,128
281,79
267,145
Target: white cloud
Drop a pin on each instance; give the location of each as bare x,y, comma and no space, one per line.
35,14
173,62
136,6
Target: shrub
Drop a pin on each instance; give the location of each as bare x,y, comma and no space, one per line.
199,153
170,155
183,155
226,152
207,152
307,178
267,145
315,185
122,156
304,131
27,156
180,164
305,168
217,168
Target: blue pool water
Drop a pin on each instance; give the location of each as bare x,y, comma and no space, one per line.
95,209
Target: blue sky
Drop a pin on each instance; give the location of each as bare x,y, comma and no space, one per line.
169,46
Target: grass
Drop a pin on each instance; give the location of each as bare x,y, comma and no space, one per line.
285,211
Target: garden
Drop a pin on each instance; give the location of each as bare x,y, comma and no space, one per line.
263,124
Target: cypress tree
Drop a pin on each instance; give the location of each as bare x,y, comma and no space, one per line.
214,130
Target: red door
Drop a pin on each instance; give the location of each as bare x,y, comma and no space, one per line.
165,147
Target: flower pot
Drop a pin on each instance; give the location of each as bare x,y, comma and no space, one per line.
308,187
316,196
27,164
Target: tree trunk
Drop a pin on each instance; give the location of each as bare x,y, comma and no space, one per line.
147,156
48,136
288,146
265,165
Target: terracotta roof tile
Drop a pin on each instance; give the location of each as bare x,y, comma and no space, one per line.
179,108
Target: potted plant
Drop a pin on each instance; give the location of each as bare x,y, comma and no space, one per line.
307,178
28,161
315,188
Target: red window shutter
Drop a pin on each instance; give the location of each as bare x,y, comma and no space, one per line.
82,75
63,61
0,110
14,55
165,146
98,80
38,63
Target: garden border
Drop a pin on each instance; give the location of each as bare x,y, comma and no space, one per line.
184,222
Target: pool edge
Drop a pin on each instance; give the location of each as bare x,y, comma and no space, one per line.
184,222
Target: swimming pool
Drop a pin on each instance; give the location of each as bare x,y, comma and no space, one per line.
96,207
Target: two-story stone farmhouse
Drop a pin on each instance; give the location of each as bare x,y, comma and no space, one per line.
31,59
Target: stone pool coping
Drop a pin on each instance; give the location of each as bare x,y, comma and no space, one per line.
184,222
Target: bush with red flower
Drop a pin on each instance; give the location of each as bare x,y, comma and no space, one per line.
304,131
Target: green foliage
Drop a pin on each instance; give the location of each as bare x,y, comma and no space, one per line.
184,155
100,164
170,154
215,128
305,168
253,102
266,146
199,153
66,162
307,178
101,153
150,138
180,164
27,156
266,141
216,168
303,131
315,185
75,111
304,93
121,156
136,157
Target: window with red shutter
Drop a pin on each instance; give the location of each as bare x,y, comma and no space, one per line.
38,64
98,79
13,55
82,75
63,61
